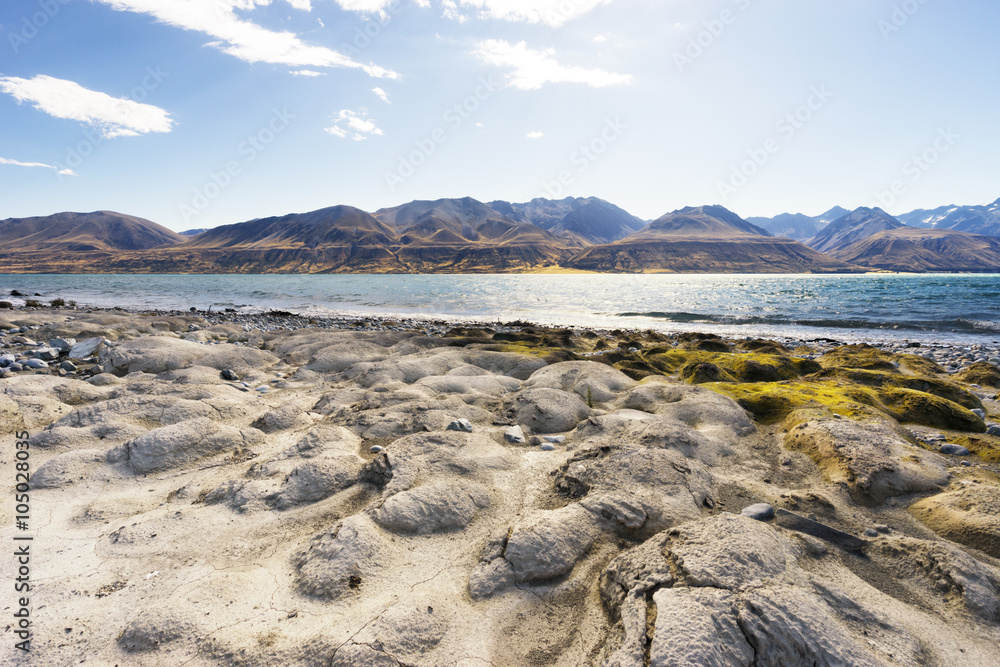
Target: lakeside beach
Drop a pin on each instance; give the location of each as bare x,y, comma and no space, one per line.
428,492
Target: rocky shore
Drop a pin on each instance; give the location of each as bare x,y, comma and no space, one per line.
232,489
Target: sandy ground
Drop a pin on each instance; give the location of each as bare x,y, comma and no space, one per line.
212,493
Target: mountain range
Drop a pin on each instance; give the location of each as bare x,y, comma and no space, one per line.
468,236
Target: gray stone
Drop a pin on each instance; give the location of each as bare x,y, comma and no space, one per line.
801,524
375,449
230,375
6,360
556,439
871,532
62,344
993,430
67,366
432,508
463,425
546,410
979,413
550,544
760,512
179,444
47,353
547,447
515,435
16,367
85,348
954,450
318,479
35,363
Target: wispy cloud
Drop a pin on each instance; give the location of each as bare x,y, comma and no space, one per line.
535,135
18,163
241,38
550,12
354,125
532,69
381,94
307,72
114,117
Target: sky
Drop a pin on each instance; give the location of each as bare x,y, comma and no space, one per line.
197,113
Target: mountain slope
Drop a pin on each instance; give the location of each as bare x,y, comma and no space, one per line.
910,249
579,220
983,220
85,232
795,226
855,226
709,239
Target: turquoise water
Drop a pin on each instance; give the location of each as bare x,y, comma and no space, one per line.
946,308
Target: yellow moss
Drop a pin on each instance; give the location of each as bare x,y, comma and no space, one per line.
858,356
981,373
986,447
919,365
882,379
743,367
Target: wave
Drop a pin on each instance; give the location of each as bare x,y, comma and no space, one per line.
958,324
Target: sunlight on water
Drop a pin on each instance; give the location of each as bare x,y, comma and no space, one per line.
958,308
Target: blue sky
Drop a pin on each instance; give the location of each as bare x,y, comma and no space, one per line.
195,113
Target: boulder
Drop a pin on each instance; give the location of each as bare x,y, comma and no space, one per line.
433,508
545,410
318,479
550,543
180,444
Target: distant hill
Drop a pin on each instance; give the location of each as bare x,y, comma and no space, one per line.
789,225
855,226
983,220
834,213
578,220
85,232
192,232
705,239
909,249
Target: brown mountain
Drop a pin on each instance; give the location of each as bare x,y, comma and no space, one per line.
466,235
83,232
705,239
911,249
851,228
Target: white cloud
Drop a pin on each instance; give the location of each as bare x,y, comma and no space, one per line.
381,94
115,117
533,69
304,5
307,72
18,163
553,13
240,38
535,135
354,125
600,39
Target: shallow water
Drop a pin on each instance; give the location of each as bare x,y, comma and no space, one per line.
940,307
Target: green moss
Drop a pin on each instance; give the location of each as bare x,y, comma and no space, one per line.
986,447
747,367
700,372
770,403
981,373
917,407
858,356
919,365
886,380
764,346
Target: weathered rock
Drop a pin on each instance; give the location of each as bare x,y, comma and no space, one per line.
46,353
592,381
67,468
514,435
62,344
318,479
460,425
35,363
697,627
871,458
342,559
801,524
153,630
969,516
550,543
180,444
954,450
433,508
546,410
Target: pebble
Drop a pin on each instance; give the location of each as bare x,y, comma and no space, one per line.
463,425
6,360
966,464
515,435
263,389
882,528
229,375
760,512
954,450
16,367
67,366
547,447
376,449
556,439
979,413
993,430
35,363
871,532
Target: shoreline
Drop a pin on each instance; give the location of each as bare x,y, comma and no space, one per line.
954,357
